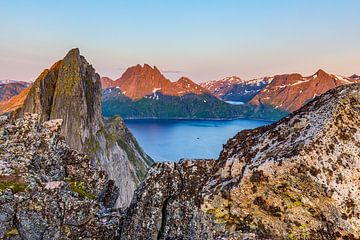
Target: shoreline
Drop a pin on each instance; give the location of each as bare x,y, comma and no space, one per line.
202,119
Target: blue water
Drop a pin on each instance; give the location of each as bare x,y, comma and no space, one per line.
171,140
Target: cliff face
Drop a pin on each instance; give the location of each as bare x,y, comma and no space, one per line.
71,90
47,190
295,179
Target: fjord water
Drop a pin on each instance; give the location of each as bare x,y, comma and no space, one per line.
171,140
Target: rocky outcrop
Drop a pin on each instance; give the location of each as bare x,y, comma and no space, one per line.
71,90
295,179
291,91
48,190
10,88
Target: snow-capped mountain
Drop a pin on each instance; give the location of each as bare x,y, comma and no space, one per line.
290,91
236,89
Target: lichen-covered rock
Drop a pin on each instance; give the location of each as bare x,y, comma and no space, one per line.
47,190
70,90
298,178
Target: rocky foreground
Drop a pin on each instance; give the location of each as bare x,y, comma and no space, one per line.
47,190
298,178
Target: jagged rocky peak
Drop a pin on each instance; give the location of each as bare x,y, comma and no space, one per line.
295,179
48,190
71,90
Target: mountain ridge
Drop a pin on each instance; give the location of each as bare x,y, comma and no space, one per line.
139,81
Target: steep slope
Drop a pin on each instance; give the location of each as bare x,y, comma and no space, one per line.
290,91
71,90
47,190
295,179
188,106
15,102
10,88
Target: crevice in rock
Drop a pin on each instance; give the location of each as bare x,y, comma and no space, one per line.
164,213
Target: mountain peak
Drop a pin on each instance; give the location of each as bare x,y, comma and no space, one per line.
355,76
184,79
186,86
71,90
321,72
73,52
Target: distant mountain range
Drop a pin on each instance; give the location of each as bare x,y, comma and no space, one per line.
287,92
10,88
143,92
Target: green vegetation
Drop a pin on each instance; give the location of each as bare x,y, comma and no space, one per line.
79,187
15,186
12,233
189,106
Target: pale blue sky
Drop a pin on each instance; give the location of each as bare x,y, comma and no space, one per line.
203,40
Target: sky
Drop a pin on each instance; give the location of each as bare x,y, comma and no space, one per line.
201,39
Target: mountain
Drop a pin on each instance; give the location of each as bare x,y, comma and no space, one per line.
10,88
295,179
107,82
47,189
222,86
14,102
355,77
185,86
139,81
143,92
290,91
188,106
236,89
71,90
